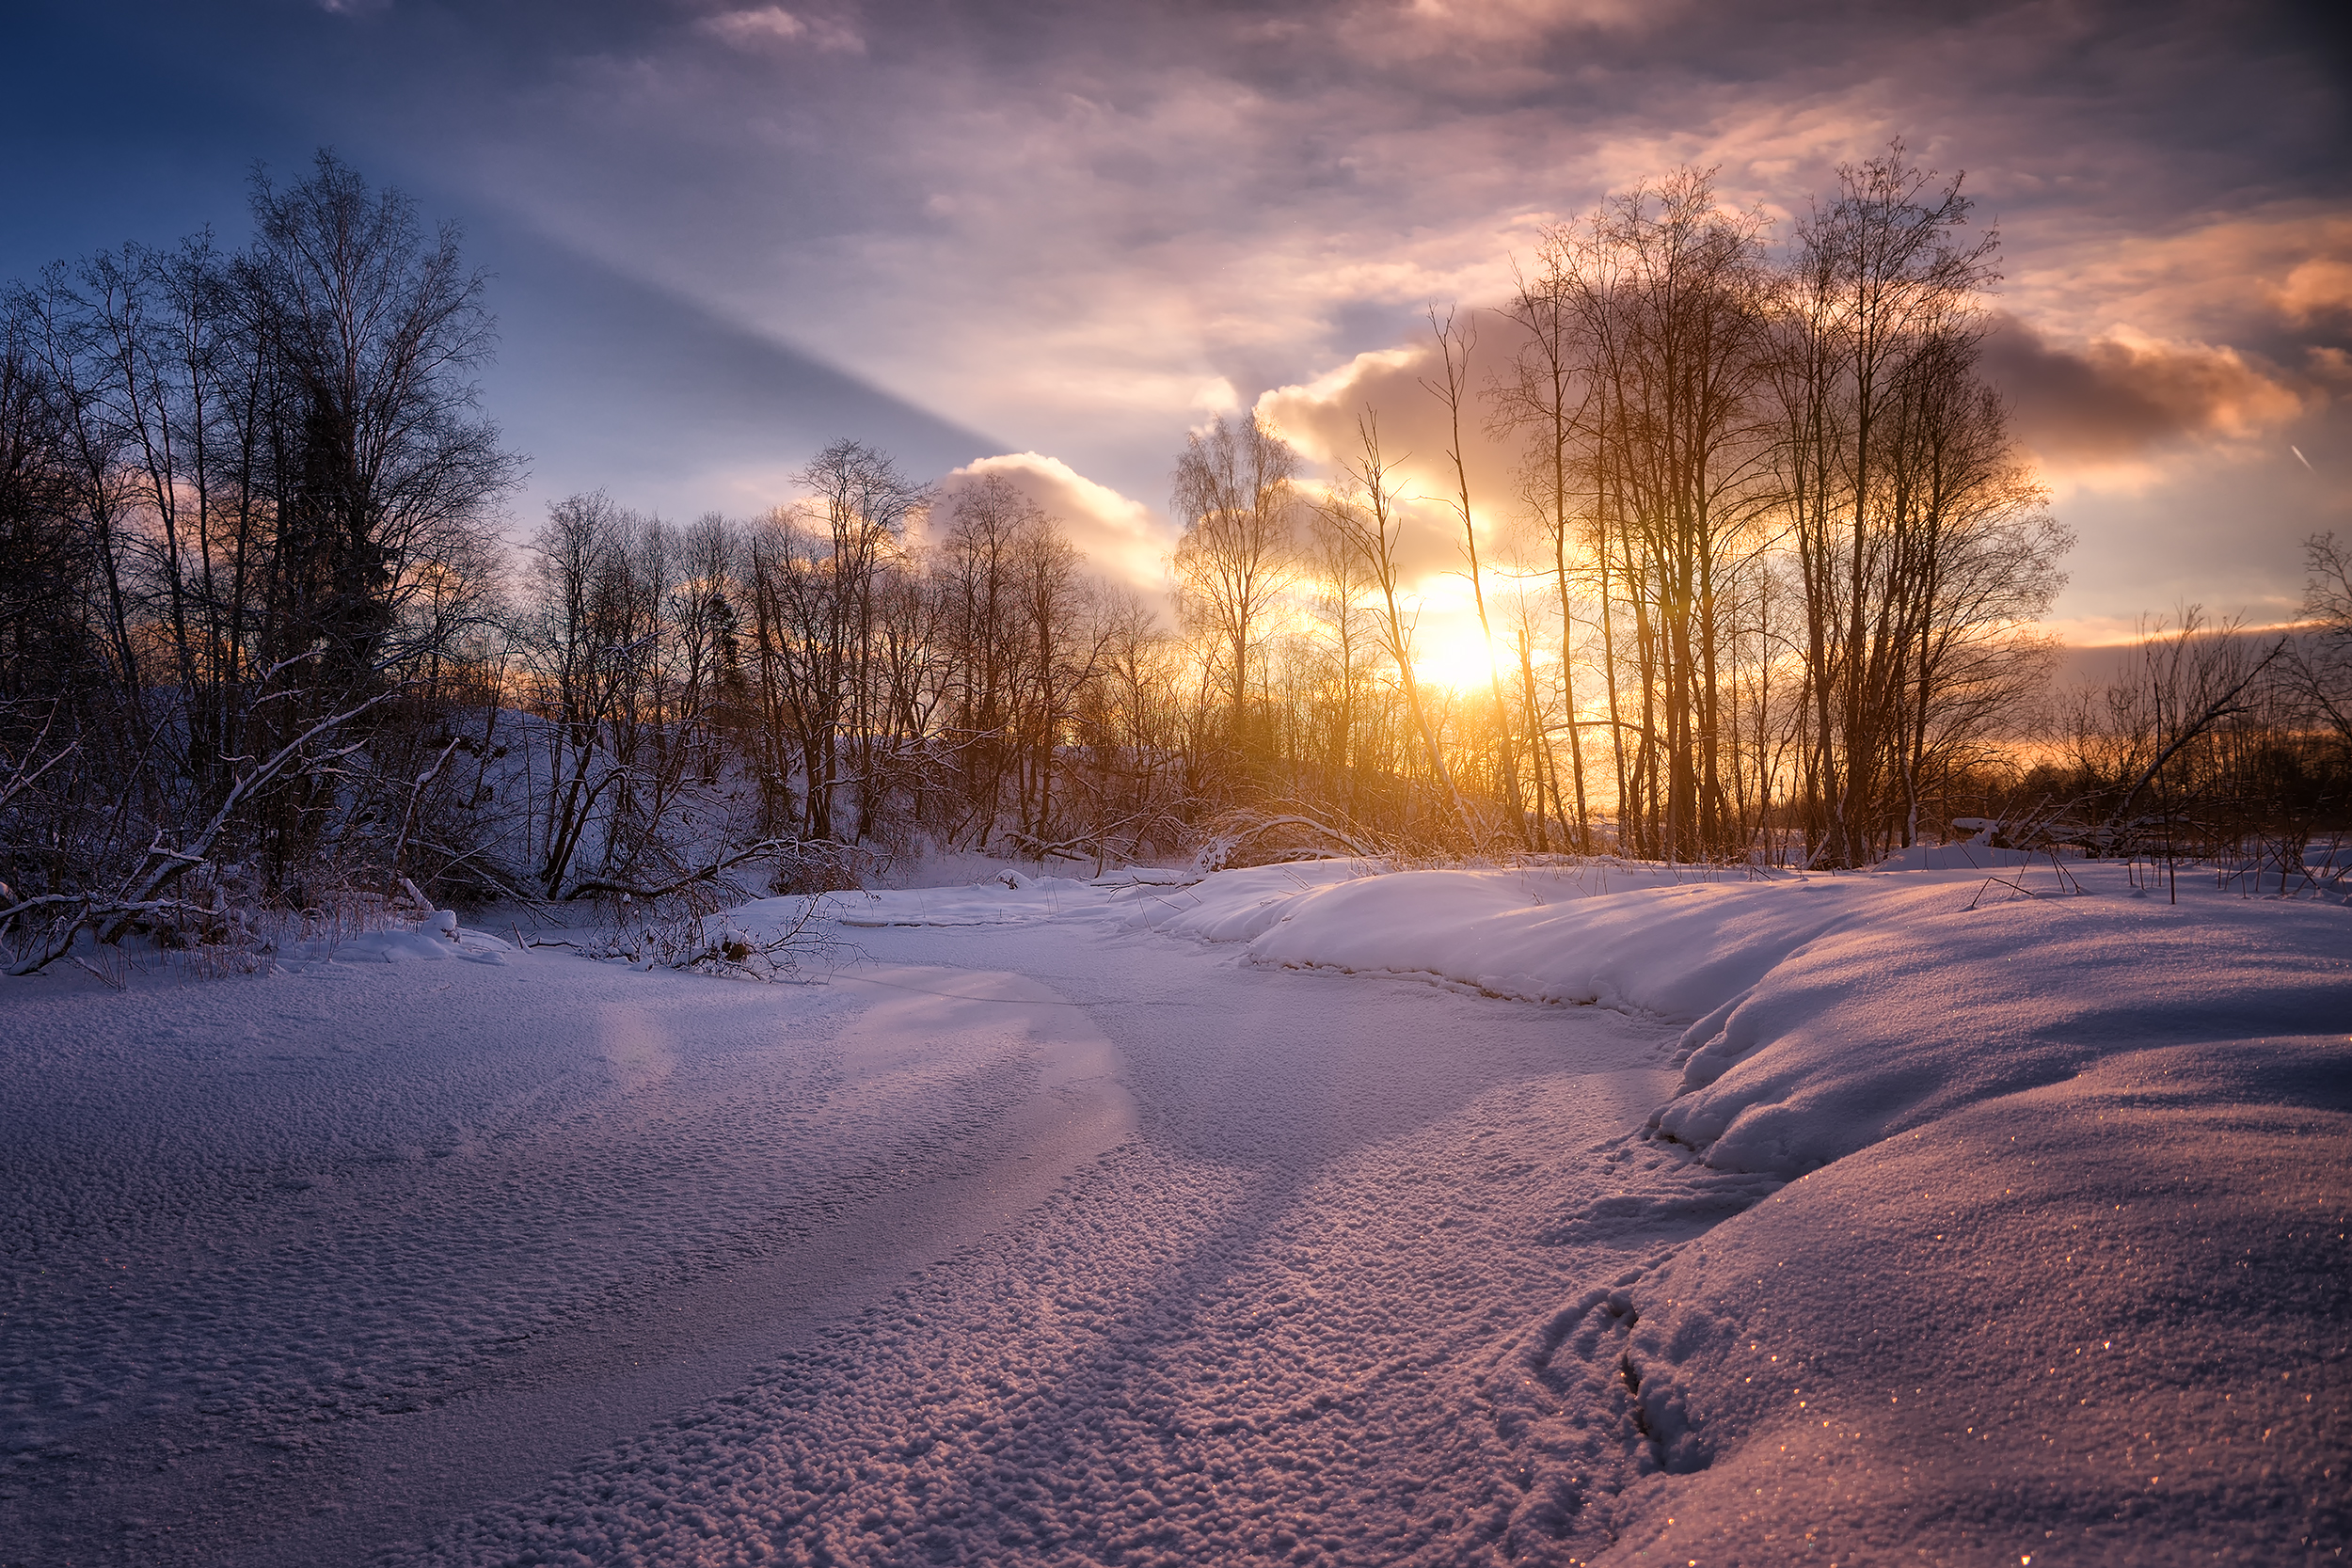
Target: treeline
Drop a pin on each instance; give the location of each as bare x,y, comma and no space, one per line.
1781,564
1771,594
1777,586
265,646
245,553
820,678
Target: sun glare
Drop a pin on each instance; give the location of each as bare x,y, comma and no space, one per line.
1456,656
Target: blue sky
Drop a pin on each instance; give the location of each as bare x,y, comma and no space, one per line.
726,231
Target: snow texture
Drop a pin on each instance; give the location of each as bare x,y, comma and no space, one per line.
1302,1214
1829,1013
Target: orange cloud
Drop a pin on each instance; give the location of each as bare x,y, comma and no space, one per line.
2288,263
2319,287
2114,399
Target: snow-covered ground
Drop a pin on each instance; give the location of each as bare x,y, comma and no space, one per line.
1299,1215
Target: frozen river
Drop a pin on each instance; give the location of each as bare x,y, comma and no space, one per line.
1022,1240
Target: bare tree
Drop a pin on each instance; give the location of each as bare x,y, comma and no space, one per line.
1542,399
1362,508
976,566
1886,276
283,494
1668,293
1346,645
581,640
859,509
1451,388
1232,496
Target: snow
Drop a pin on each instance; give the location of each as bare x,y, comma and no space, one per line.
1300,1213
437,938
258,1217
1827,1013
2107,1319
1001,895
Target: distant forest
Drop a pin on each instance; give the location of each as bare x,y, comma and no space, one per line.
1775,597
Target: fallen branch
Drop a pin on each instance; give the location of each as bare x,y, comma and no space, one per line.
91,913
709,873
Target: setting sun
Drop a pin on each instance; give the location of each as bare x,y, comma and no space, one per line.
1452,653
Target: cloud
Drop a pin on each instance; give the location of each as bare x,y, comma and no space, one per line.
771,25
1387,32
1122,540
2319,287
2114,399
1319,416
2281,265
1519,20
1083,229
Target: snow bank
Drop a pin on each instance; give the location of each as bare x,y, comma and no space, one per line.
2069,1278
437,939
1003,897
1826,1013
2105,1319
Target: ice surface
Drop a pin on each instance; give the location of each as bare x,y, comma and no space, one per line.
1003,897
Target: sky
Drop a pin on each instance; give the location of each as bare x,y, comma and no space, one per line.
1047,238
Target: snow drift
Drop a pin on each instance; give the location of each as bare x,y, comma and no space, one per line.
1824,1013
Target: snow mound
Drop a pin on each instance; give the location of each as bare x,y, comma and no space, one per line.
428,943
1826,1013
2134,1342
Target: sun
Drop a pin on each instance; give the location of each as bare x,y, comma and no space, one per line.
1451,651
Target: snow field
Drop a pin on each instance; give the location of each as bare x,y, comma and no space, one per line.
248,1220
1800,1218
1178,1360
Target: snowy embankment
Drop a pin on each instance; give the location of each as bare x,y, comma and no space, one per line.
1826,1013
2074,1247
